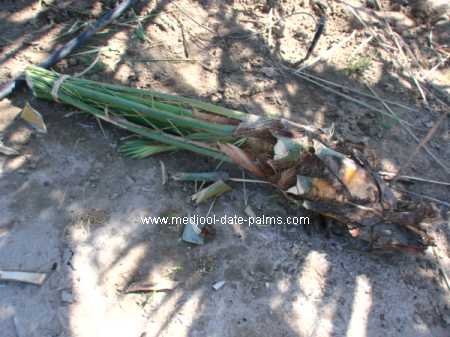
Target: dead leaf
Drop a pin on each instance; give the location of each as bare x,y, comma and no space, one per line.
8,151
241,159
213,118
287,178
34,118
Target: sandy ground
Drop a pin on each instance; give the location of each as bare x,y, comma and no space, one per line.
70,205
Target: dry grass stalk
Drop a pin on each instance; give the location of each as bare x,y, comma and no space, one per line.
422,143
391,175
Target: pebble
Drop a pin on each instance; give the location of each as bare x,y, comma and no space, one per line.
67,255
114,196
99,165
215,98
388,87
73,62
268,71
67,297
216,286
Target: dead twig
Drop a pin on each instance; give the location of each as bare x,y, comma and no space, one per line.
22,276
391,175
423,196
433,69
362,46
269,27
245,189
348,97
319,30
211,207
254,181
441,270
183,37
358,92
186,14
422,143
373,33
164,176
407,63
99,122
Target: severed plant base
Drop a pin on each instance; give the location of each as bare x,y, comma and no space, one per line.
300,161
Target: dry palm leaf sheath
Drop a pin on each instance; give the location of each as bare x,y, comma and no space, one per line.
293,158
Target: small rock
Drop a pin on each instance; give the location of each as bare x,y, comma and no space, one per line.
216,286
429,9
268,71
388,87
67,297
215,98
67,255
99,165
133,78
73,62
258,87
4,229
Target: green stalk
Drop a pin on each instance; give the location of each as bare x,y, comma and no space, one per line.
166,119
148,133
120,103
140,148
194,103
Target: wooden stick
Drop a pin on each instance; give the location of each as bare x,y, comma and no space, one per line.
328,52
22,276
76,42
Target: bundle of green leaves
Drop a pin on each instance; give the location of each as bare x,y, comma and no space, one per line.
160,121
